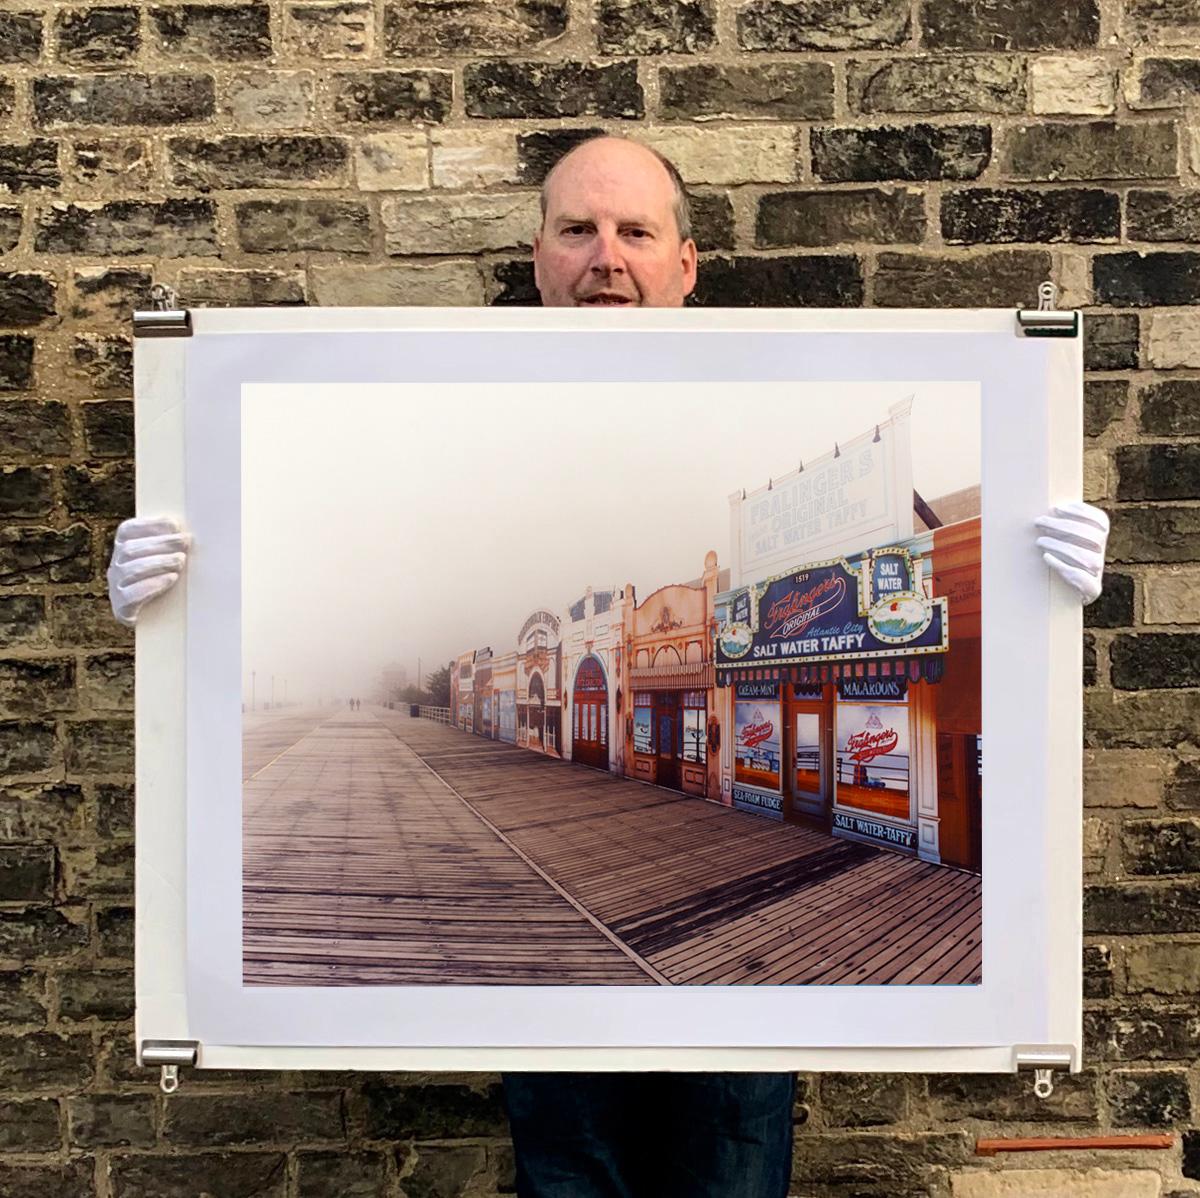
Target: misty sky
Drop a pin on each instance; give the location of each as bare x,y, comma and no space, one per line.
385,521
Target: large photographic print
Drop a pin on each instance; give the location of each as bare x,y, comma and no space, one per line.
674,684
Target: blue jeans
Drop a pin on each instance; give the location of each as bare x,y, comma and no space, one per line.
651,1135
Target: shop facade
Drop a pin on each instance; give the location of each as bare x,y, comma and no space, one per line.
671,730
504,698
828,681
539,684
591,650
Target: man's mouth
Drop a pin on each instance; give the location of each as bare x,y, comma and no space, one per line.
605,299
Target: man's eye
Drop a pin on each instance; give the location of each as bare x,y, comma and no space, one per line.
575,229
638,232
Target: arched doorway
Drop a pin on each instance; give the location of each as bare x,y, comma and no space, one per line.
537,713
589,715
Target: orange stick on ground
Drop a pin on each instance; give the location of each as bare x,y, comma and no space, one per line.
1056,1143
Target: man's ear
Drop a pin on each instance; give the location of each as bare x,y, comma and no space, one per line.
537,249
688,261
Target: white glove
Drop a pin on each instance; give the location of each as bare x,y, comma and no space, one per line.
147,559
1074,548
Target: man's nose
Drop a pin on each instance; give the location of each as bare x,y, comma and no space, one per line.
606,254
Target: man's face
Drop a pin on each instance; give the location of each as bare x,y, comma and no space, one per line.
609,237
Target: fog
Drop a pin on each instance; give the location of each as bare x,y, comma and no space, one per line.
385,522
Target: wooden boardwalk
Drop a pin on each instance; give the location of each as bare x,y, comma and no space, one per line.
472,860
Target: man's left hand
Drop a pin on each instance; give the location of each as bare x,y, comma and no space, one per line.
1073,547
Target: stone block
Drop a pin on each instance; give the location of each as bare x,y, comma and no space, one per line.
937,83
26,298
29,1126
1163,216
392,162
123,164
549,90
783,91
104,361
655,26
380,97
863,1099
955,1097
1171,596
1111,341
36,686
467,159
97,36
107,681
876,1165
446,1169
712,220
1062,86
230,1174
86,621
1154,847
986,214
176,228
348,1174
1010,24
110,1121
415,28
245,162
52,812
1174,340
1166,22
29,166
1057,1183
333,226
539,151
1148,1097
101,746
1158,471
1165,83
1055,150
99,490
22,998
103,994
997,279
1154,534
27,873
38,934
440,284
49,1180
270,99
1143,907
824,217
761,154
25,491
1142,280
1097,971
432,1110
22,621
132,99
819,280
786,25
16,374
108,428
217,1120
1139,719
1126,1034
10,229
213,32
1104,402
109,294
912,152
41,1061
221,287
514,285
1114,607
329,32
30,554
114,933
459,224
1170,969
114,810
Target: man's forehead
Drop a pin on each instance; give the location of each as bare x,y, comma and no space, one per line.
612,178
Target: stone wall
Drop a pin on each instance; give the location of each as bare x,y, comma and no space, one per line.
877,152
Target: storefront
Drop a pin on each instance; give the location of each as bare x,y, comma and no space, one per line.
828,677
504,698
671,729
539,671
462,692
591,647
483,692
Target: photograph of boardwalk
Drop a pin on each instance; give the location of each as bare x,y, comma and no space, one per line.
754,760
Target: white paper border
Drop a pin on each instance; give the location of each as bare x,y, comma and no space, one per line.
1031,992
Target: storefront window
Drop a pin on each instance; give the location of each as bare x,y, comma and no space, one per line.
808,752
757,748
694,708
873,758
643,724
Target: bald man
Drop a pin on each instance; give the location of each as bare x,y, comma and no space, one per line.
616,232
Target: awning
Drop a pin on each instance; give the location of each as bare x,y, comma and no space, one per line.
928,667
695,676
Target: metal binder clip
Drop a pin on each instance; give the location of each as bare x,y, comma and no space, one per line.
163,319
1041,1062
170,1054
1046,320
169,1081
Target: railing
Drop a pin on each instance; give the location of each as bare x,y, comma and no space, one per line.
439,715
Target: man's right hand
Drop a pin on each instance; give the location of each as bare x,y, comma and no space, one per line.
147,559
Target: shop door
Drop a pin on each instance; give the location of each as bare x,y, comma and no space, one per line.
589,721
959,794
666,727
807,757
